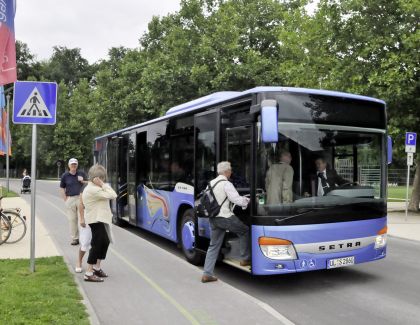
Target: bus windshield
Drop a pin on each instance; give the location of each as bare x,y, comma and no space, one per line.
321,173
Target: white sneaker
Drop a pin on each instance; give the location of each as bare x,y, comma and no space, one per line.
78,269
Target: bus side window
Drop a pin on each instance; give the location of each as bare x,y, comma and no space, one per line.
159,171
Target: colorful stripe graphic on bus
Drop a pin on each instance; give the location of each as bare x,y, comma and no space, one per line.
157,209
156,202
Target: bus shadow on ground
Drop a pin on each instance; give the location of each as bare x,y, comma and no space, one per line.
299,283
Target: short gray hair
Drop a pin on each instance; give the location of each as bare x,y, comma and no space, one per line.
97,171
223,167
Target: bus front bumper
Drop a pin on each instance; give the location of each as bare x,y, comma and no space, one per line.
321,246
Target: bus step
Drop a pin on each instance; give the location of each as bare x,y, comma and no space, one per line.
235,263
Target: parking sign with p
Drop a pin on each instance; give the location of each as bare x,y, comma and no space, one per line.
410,142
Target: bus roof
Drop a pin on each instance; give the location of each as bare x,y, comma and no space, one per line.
222,96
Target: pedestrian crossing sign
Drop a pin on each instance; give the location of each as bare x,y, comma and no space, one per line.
35,102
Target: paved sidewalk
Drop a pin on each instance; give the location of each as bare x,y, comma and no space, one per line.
401,226
44,245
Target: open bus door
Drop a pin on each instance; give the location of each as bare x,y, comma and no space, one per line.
122,199
131,179
206,134
236,146
125,182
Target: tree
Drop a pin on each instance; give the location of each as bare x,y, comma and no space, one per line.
373,50
28,68
367,47
72,136
66,65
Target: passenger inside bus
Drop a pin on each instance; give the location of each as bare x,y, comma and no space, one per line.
279,180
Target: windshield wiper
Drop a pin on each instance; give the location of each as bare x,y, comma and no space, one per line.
301,213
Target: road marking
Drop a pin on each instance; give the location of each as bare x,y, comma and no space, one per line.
283,319
158,288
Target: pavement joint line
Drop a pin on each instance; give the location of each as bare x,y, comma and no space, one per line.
93,317
158,288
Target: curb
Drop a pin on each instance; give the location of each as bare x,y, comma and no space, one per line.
404,238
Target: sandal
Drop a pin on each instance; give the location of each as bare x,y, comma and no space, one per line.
100,273
93,278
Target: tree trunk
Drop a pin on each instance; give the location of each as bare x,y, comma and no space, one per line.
415,195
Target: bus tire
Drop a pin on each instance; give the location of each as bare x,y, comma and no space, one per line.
187,238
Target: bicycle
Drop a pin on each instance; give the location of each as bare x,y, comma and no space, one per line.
5,228
17,224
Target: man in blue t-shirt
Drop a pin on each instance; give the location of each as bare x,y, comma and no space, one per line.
71,186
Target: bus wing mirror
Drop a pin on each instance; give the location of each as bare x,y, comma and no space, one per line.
269,121
389,150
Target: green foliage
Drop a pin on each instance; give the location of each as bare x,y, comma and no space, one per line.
5,193
398,193
66,65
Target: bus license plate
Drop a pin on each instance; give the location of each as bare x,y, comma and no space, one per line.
339,262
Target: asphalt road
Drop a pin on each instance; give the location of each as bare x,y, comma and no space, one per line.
383,292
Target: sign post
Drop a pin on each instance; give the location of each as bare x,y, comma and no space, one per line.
410,149
34,103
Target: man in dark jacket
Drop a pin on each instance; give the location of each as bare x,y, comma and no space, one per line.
325,179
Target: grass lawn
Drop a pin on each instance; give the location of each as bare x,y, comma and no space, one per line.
398,193
48,296
4,193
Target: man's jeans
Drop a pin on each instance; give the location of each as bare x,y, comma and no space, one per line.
219,226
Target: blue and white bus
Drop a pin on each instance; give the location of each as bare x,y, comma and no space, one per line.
158,167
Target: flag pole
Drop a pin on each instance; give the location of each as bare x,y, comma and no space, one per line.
7,142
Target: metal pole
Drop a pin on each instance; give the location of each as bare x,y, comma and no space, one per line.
7,143
406,194
33,193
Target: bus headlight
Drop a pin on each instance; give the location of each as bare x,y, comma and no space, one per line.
380,240
277,248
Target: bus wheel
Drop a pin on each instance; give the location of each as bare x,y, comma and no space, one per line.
187,238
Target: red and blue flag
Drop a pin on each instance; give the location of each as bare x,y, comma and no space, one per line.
4,131
8,72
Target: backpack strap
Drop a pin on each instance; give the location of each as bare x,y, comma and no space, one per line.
212,187
220,180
